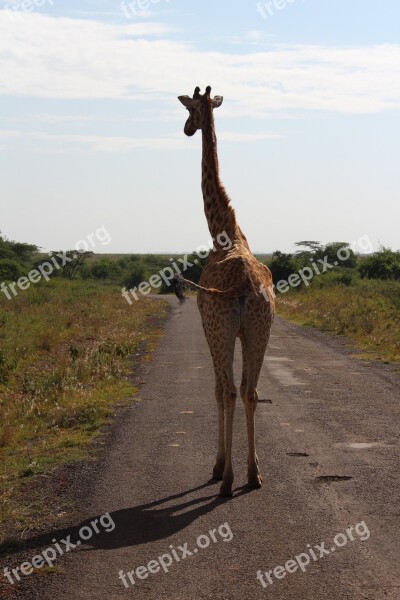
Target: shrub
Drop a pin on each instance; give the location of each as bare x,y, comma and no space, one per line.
136,275
105,269
10,269
282,266
384,264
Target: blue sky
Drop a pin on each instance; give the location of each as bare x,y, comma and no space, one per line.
91,132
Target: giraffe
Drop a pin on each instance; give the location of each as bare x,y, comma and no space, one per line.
235,299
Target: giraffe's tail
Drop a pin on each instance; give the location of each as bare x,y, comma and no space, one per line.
180,284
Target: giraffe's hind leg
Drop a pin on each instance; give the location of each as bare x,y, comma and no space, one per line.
226,402
218,470
221,334
254,337
249,396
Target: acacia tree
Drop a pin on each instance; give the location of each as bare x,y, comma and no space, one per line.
66,264
335,252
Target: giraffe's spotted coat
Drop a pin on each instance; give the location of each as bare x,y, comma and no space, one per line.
241,310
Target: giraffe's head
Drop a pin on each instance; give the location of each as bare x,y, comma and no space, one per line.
199,107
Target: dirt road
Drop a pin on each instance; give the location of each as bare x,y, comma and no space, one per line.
328,443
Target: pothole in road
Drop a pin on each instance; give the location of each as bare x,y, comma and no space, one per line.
299,454
363,445
329,478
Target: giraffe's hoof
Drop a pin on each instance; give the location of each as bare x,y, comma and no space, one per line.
218,473
255,481
225,490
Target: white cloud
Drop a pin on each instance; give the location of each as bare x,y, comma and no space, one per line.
95,13
145,116
65,58
102,143
139,14
249,38
232,136
93,143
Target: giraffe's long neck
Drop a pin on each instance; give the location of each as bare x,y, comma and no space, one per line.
220,215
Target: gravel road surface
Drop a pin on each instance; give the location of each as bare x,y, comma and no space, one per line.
328,444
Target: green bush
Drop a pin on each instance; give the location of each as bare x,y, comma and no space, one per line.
105,269
339,276
135,276
384,264
282,266
10,269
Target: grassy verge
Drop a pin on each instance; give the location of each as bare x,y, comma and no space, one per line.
66,351
367,311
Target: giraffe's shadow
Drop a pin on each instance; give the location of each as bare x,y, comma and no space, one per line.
137,525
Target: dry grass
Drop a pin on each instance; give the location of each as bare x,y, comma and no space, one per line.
366,311
65,359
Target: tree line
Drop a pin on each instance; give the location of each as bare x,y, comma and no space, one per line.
17,258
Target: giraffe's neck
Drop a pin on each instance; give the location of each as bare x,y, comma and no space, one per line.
220,215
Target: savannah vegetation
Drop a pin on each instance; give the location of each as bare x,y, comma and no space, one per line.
68,346
359,299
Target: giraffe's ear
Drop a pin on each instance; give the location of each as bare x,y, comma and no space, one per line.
216,103
186,101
